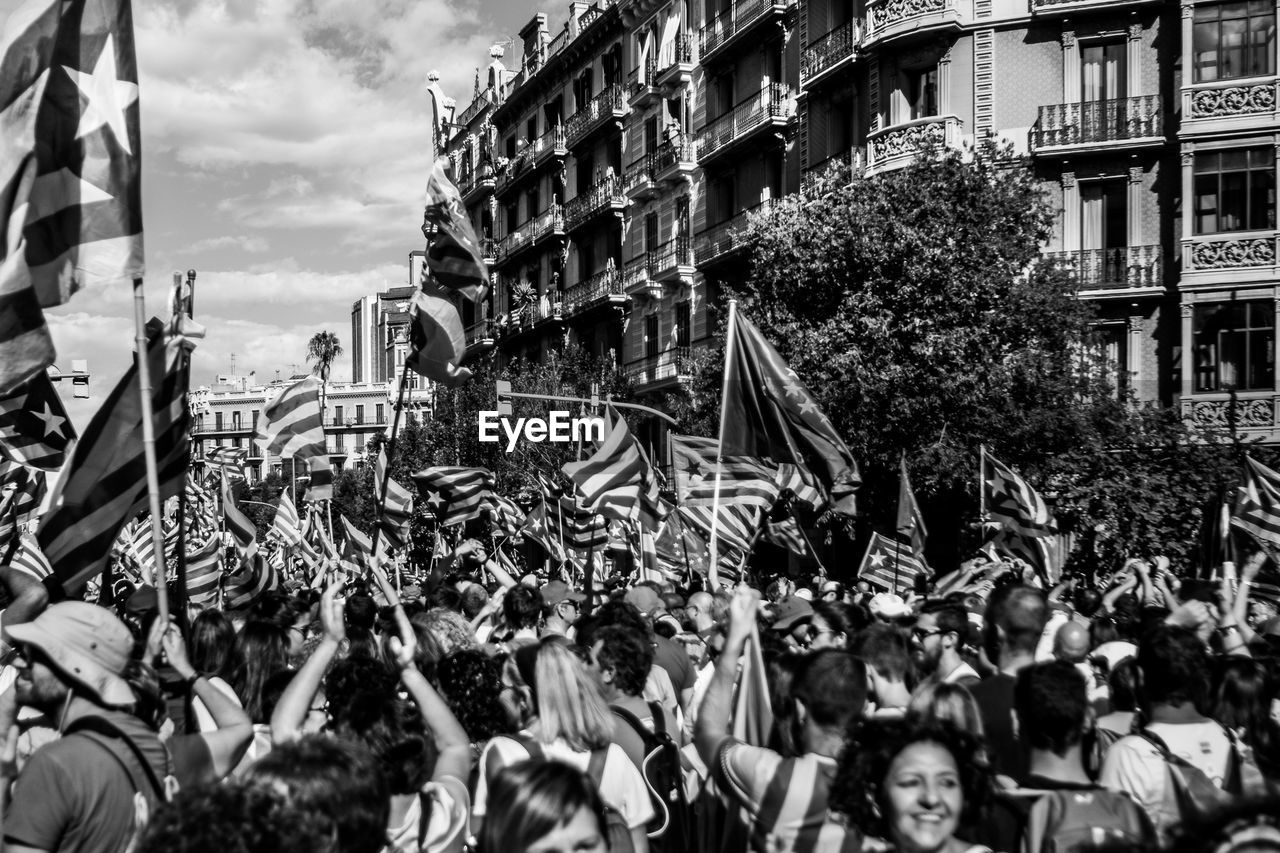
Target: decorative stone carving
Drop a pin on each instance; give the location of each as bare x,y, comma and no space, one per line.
1068,39
1135,174
1248,413
1187,309
1230,254
893,11
1233,101
1068,180
1135,323
908,140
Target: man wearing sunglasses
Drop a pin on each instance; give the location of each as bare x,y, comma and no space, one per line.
940,632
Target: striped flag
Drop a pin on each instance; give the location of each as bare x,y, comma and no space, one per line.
743,480
202,513
30,560
22,490
71,206
359,545
204,573
254,579
228,461
786,534
34,427
737,527
1012,503
618,481
238,524
141,546
583,529
320,484
286,523
507,516
910,521
541,530
549,486
802,484
454,257
889,564
105,483
397,510
292,423
1257,509
437,339
456,495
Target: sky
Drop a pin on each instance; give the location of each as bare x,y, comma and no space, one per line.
284,147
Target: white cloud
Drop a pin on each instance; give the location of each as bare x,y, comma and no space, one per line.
244,243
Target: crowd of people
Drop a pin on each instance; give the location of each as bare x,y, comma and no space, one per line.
480,712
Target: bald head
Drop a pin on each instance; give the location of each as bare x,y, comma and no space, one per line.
698,609
1071,644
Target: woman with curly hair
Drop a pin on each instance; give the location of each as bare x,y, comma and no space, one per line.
471,682
909,787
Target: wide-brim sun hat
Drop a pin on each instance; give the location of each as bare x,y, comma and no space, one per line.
87,644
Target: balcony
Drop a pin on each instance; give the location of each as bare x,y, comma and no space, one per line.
488,250
672,367
895,146
675,160
1230,105
640,183
835,171
482,101
675,63
637,281
479,183
603,288
480,336
548,309
836,50
642,84
732,26
895,19
595,200
1063,7
672,261
1222,258
550,145
549,223
1112,272
1254,413
1099,125
519,165
607,106
723,241
768,111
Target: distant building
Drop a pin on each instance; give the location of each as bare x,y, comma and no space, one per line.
380,333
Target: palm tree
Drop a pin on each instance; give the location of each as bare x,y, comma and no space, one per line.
323,348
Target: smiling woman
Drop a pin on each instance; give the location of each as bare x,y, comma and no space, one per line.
910,787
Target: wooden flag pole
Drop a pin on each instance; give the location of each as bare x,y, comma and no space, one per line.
713,569
149,450
184,306
897,513
390,452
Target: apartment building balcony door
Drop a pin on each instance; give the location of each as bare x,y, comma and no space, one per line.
1104,232
1104,90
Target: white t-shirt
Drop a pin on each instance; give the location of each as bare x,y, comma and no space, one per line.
446,830
204,720
621,787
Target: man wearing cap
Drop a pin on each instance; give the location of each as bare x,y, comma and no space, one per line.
78,792
561,606
789,616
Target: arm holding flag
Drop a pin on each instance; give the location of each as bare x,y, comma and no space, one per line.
715,715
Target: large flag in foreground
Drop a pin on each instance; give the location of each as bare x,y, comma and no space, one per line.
70,156
769,413
1257,510
454,258
105,483
618,481
292,424
398,508
34,427
743,480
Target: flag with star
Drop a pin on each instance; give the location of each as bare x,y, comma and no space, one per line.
889,565
769,413
70,163
454,257
1257,509
34,427
455,494
910,520
1026,528
743,480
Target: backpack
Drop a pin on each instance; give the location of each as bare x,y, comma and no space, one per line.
1077,821
148,789
615,825
672,828
1194,794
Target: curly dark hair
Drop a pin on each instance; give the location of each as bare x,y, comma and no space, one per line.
858,790
627,652
235,817
471,683
522,607
1175,666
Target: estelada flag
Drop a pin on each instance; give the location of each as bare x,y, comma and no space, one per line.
770,413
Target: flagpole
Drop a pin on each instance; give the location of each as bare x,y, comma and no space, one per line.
184,306
390,454
149,450
982,491
897,514
713,570
807,540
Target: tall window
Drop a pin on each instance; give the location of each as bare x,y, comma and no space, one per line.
1232,40
1104,223
684,317
921,91
217,421
379,412
650,231
651,135
1235,345
235,420
359,414
1102,71
337,414
253,419
651,336
1235,190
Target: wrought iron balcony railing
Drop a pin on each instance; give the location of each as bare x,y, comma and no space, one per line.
734,21
835,47
1098,122
771,104
608,104
1111,269
727,237
593,200
591,290
673,364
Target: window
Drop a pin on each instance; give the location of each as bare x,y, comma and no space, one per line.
684,324
253,422
380,412
339,441
531,128
359,414
511,147
337,414
1235,190
533,203
235,420
921,91
651,134
236,442
1235,345
1232,40
651,336
217,421
1104,221
1102,71
724,199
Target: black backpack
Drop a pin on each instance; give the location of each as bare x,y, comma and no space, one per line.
615,829
672,828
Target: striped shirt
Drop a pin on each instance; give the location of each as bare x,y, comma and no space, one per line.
785,797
